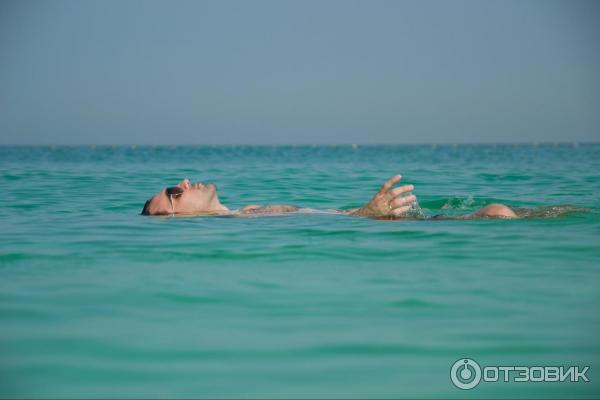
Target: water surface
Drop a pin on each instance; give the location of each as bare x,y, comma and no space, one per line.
98,301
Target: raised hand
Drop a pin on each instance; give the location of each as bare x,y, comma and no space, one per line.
388,201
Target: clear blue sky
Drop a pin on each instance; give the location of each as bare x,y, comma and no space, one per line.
272,72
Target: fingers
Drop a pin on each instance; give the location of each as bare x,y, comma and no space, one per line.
401,190
400,202
388,185
393,200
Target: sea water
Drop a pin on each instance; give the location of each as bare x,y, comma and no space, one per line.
99,301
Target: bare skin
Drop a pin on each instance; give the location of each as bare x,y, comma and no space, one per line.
388,203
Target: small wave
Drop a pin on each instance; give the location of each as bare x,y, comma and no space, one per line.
187,299
413,303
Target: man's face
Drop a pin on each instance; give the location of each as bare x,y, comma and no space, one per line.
185,198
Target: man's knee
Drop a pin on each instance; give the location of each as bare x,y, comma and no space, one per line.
496,210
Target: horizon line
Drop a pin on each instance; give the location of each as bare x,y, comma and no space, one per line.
343,144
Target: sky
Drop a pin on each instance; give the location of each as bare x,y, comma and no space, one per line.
298,72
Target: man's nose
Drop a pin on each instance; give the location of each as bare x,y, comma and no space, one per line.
185,184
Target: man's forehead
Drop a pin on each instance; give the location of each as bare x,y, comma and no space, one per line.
159,202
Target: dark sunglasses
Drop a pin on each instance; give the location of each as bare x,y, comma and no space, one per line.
174,191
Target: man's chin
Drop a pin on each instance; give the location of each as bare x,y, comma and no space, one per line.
212,187
215,197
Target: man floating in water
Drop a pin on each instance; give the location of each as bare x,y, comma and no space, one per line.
388,203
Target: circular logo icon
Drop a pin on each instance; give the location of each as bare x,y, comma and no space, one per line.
465,373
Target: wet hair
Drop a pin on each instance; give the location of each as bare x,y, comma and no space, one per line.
146,209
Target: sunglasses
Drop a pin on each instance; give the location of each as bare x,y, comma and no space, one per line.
173,192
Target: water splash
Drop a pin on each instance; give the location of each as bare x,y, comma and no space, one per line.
459,203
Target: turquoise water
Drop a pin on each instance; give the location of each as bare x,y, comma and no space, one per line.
98,301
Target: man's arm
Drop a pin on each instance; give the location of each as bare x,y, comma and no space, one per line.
388,202
255,209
